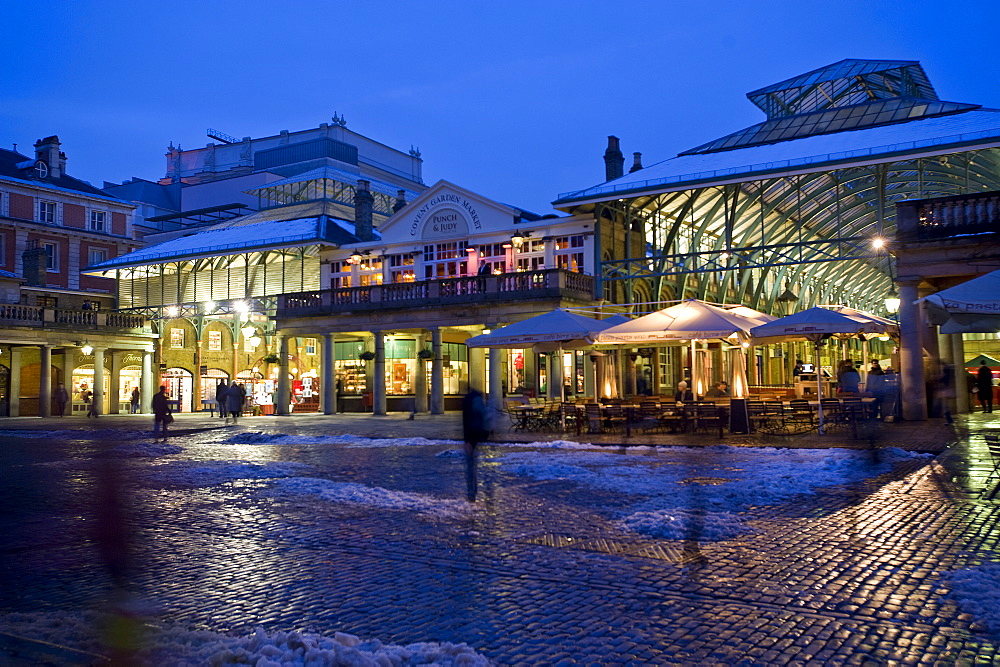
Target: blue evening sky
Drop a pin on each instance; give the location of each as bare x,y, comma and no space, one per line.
511,99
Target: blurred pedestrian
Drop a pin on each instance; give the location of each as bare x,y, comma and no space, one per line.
221,391
475,428
61,397
984,386
87,396
848,378
161,412
944,391
234,402
134,400
875,385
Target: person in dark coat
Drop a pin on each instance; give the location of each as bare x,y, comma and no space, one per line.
161,412
984,386
683,393
134,400
475,429
234,402
221,391
848,378
61,397
875,385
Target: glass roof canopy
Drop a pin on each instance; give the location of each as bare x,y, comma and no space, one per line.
746,237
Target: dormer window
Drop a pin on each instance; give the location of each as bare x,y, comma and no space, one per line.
97,221
41,169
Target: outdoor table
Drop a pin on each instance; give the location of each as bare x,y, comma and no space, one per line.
525,414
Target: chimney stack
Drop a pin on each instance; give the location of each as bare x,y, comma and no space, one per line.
614,161
47,150
400,201
636,162
364,205
33,264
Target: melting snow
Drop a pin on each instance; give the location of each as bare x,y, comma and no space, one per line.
173,645
359,494
208,473
975,589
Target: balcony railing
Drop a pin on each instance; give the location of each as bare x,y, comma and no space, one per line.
547,283
946,217
64,318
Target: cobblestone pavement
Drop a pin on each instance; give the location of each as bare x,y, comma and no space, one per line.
540,575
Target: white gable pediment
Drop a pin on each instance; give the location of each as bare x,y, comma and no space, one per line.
446,211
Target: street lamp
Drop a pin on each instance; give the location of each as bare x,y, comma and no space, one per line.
787,300
892,302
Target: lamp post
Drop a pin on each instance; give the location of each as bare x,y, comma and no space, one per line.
786,302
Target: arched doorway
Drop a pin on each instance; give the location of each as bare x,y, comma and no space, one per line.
129,378
259,390
180,388
209,381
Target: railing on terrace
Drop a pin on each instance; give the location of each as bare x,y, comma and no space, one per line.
946,217
65,318
469,289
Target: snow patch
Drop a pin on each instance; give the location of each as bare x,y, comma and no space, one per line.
359,494
145,449
209,473
261,438
684,524
974,590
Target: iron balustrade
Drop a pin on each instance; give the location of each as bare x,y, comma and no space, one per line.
544,283
946,217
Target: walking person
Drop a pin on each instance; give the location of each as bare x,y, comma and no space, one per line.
475,429
945,391
61,398
221,391
848,378
86,397
875,385
134,400
234,402
161,412
984,386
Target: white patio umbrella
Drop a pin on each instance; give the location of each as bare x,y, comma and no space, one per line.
690,320
817,324
559,328
971,307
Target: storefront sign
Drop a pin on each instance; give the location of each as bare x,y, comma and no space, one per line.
445,223
433,217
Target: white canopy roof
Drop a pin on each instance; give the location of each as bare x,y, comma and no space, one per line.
558,326
971,307
820,322
688,320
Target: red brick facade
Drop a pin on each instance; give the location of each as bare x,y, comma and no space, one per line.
74,215
117,224
22,206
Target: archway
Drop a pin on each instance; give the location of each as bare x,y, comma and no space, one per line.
180,386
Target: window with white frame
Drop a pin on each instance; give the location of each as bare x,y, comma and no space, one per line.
340,275
531,255
401,268
310,345
97,219
47,211
51,256
494,256
96,256
176,338
445,260
370,271
569,253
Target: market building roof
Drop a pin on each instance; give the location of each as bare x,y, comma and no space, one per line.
851,112
289,226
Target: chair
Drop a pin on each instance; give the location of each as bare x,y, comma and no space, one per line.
833,412
569,416
799,416
708,415
755,412
614,416
772,420
595,421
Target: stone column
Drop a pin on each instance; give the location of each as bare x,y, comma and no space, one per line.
945,350
553,375
100,383
420,377
15,381
284,393
113,405
329,375
496,379
437,374
45,382
961,387
477,368
913,393
146,383
631,388
378,400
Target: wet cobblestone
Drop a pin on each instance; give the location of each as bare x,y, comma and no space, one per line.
849,576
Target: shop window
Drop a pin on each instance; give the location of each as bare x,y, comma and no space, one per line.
47,212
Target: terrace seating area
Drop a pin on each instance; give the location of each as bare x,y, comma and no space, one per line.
855,416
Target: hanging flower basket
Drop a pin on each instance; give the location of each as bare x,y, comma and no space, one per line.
271,359
426,354
367,355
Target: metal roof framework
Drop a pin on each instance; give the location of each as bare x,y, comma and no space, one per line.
746,242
